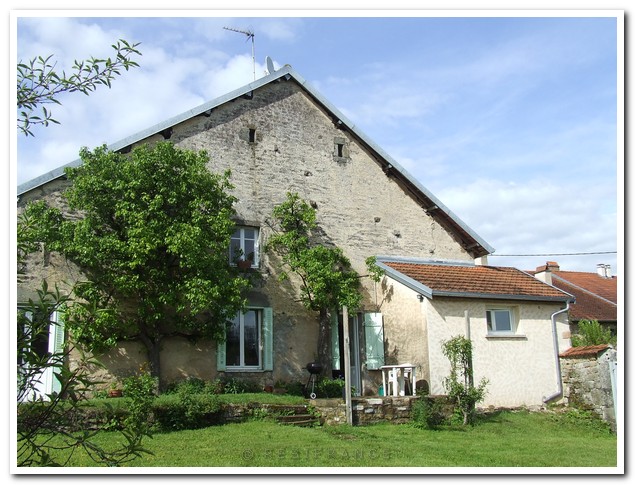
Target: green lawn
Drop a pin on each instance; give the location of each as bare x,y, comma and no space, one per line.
506,439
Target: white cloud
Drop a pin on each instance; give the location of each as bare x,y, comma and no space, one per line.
537,216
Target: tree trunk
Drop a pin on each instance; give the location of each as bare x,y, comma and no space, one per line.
153,348
324,345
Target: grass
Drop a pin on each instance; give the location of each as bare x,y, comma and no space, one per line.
504,439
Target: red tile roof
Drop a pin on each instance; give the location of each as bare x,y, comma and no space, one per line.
595,296
592,282
588,304
478,281
587,351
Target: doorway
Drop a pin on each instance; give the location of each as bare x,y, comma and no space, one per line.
338,349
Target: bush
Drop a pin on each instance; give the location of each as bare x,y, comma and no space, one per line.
187,411
591,332
330,388
239,386
140,390
427,413
292,388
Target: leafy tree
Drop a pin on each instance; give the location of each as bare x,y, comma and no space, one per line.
591,332
460,383
327,280
43,421
39,84
46,422
153,241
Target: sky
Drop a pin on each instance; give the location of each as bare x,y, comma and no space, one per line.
514,122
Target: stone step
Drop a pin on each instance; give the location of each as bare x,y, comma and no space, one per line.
298,419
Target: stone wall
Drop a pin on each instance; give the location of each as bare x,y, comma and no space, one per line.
586,380
366,410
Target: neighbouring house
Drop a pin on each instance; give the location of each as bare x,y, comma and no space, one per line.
278,134
595,293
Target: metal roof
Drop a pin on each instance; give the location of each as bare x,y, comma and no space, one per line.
472,242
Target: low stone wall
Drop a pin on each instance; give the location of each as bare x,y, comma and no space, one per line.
586,380
366,410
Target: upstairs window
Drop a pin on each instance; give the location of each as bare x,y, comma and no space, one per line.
244,247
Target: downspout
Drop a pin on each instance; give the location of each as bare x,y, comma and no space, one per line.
556,350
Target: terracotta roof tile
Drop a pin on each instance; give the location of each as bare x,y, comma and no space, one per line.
592,282
584,351
478,280
588,306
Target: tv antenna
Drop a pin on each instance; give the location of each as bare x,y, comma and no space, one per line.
250,35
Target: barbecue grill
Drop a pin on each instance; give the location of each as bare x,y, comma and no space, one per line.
314,369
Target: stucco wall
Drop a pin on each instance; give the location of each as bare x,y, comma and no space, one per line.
359,208
521,370
405,330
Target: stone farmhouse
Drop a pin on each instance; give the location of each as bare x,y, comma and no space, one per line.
278,135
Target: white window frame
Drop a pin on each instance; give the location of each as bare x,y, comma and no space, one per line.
490,318
256,261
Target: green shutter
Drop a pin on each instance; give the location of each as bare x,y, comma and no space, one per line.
56,334
335,342
221,360
374,333
267,338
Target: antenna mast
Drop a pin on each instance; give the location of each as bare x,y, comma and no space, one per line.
249,35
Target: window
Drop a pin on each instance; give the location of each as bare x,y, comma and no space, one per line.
252,135
248,344
500,320
42,336
244,246
243,340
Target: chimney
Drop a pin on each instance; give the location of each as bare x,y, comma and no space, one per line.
604,270
543,273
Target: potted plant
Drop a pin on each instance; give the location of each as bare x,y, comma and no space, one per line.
115,390
246,262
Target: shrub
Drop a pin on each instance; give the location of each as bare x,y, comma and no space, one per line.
459,383
187,411
140,390
591,332
330,388
292,388
239,386
427,413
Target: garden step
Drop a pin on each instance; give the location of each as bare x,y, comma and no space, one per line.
298,419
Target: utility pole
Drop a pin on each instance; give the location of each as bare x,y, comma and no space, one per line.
250,35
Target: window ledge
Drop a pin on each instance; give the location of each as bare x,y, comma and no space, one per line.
244,369
506,336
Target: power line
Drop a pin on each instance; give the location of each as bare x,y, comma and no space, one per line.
552,254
